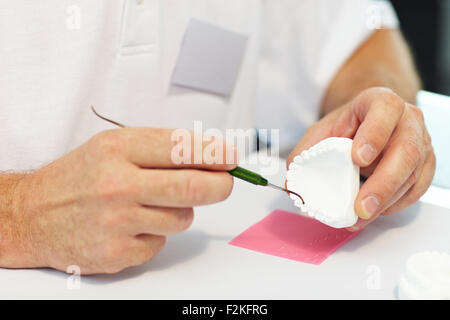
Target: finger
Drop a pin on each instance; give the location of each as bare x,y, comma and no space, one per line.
419,188
183,188
362,223
317,132
368,171
400,192
161,221
411,181
408,198
373,115
404,154
173,148
369,120
145,247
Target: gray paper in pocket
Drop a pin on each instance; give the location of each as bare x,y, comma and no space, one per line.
210,59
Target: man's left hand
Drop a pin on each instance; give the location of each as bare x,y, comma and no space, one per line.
391,145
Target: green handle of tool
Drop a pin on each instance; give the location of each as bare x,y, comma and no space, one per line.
248,176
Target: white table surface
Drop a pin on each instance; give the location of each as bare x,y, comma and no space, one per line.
200,264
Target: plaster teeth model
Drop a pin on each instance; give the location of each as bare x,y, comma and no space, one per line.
328,181
426,276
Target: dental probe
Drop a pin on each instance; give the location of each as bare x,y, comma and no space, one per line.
237,172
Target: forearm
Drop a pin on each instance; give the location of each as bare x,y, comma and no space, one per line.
383,60
13,241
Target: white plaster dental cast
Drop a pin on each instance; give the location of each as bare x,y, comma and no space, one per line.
426,276
328,181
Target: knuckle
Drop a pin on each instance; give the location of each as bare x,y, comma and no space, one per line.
143,256
414,196
416,111
116,266
149,250
111,219
394,101
427,140
378,136
108,142
161,243
193,190
412,179
113,269
433,161
112,185
114,252
388,187
419,190
412,152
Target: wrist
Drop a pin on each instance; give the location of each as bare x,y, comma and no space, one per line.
17,247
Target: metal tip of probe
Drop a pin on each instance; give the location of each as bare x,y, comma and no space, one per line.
106,119
285,190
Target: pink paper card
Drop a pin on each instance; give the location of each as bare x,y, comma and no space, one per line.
293,236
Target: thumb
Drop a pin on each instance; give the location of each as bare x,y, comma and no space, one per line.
324,128
313,135
372,117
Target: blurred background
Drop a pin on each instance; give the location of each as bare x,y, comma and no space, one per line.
426,26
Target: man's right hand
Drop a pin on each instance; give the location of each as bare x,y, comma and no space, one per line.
110,204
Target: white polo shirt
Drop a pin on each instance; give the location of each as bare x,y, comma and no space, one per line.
59,57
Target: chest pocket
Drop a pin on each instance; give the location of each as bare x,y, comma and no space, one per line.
210,59
139,26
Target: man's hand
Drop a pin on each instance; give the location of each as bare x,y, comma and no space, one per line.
110,203
391,145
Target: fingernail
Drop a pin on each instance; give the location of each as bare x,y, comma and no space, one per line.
353,229
370,206
358,226
367,153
